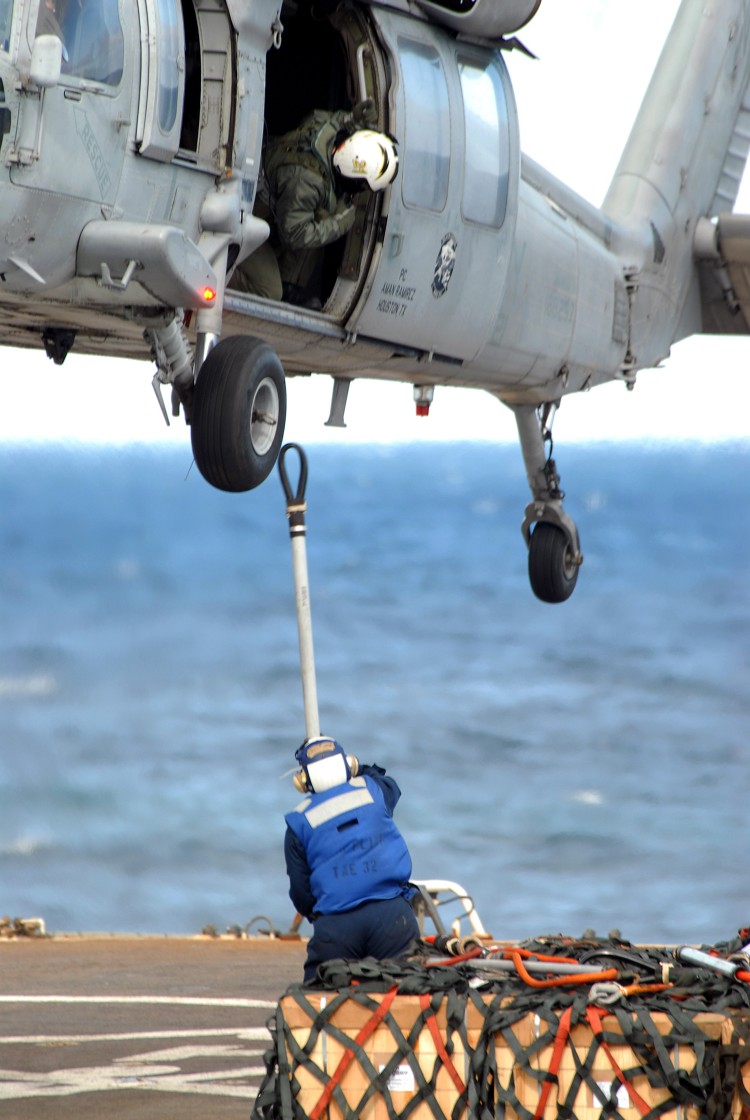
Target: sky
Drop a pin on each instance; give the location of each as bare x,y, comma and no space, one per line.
576,104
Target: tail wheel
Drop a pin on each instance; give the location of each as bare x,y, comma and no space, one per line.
553,566
239,412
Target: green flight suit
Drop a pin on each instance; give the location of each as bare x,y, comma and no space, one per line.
305,212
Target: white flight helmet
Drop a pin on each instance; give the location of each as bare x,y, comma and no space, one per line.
367,155
324,764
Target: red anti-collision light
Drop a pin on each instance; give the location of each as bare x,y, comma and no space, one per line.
209,294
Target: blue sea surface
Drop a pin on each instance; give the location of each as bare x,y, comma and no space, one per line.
582,765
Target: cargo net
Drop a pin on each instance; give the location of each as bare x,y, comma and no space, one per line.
553,1029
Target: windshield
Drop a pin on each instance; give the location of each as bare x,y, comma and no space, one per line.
91,36
6,18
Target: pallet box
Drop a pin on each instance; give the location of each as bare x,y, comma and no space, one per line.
426,1057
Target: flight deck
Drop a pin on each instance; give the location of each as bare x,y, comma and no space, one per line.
138,1027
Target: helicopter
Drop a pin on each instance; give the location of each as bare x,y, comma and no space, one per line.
132,149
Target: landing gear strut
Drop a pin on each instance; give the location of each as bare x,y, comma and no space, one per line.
554,548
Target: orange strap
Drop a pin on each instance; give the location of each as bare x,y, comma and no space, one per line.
594,1016
445,1058
526,953
561,1038
348,1055
556,981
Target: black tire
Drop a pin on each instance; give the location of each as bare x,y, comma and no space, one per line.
553,570
239,412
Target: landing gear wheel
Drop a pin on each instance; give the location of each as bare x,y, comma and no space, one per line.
239,412
553,570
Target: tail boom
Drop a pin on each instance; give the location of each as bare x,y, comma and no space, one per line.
683,163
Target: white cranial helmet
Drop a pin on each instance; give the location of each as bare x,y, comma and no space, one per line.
367,155
323,765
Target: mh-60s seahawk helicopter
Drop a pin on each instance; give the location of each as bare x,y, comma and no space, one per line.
132,143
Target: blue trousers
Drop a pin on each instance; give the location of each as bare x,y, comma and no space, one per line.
382,929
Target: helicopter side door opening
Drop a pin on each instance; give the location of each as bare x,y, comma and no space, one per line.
327,63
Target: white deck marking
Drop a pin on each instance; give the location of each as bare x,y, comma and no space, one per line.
158,1070
249,1034
177,1001
18,1085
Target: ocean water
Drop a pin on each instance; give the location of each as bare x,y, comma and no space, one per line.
583,765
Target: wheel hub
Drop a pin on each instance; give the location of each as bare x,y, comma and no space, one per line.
264,416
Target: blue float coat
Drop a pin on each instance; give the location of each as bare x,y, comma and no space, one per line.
343,848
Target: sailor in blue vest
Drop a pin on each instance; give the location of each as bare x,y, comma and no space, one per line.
347,862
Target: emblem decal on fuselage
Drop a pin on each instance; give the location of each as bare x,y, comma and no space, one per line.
446,259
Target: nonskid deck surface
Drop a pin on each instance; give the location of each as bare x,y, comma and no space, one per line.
137,1027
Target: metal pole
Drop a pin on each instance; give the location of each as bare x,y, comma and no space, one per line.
698,959
498,964
295,511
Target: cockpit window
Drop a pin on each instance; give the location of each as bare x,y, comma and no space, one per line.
169,76
91,35
6,18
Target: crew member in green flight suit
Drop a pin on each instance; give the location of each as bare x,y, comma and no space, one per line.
309,178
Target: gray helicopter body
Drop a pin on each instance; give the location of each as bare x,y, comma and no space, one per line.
133,137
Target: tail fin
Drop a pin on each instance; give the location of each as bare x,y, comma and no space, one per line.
688,146
683,164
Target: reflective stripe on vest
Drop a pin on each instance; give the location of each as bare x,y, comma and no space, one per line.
336,806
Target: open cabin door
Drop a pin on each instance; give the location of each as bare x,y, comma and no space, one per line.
162,78
438,281
186,108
